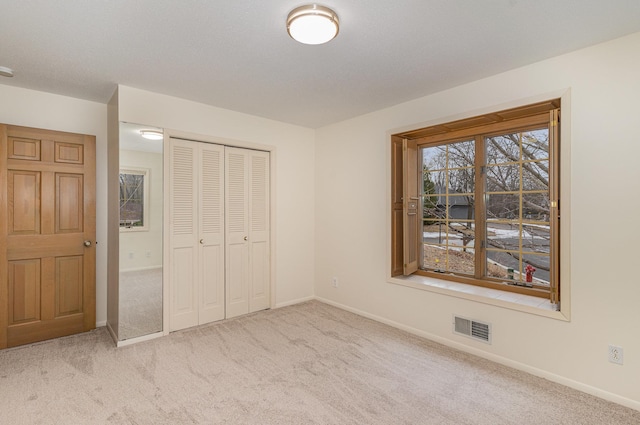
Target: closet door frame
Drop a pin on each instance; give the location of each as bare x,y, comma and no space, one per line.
177,134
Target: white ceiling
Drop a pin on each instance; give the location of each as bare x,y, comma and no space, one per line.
237,55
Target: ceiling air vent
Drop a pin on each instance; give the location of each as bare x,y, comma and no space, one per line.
472,328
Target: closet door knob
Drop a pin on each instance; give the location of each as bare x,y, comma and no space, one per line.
245,238
201,241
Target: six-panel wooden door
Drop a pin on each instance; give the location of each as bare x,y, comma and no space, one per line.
47,234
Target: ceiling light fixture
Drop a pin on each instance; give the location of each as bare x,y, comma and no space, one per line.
6,72
152,134
312,24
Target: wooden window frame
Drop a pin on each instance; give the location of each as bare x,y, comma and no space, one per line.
542,115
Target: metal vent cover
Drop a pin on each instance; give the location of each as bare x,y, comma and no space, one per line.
472,328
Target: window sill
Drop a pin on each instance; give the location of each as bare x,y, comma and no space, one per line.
133,229
510,300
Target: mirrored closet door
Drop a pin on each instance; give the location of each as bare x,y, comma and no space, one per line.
141,226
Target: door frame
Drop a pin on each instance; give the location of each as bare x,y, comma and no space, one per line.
195,137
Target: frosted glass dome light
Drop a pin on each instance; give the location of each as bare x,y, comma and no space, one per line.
312,24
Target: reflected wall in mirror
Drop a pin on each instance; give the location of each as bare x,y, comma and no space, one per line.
141,198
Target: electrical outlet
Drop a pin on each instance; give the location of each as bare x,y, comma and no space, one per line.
616,354
148,254
334,282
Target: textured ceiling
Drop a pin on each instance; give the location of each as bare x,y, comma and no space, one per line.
236,54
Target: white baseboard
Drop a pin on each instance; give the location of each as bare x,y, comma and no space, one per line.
298,301
101,324
493,357
139,269
139,339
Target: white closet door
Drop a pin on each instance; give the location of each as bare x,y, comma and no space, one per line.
237,231
183,237
259,243
211,226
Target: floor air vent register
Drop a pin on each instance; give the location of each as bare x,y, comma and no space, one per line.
472,328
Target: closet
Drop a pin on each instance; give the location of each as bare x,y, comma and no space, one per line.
218,232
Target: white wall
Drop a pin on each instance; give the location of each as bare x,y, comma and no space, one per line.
49,111
143,249
293,200
352,221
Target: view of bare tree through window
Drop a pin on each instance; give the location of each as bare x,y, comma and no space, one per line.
516,206
131,200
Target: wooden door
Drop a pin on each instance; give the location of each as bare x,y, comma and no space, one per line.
47,234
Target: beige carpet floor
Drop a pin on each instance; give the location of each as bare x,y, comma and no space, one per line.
305,364
140,311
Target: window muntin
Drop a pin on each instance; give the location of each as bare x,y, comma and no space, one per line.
448,175
517,206
134,199
509,174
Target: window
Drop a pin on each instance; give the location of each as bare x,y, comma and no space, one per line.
134,199
476,201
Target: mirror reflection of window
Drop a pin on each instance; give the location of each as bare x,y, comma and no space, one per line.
133,199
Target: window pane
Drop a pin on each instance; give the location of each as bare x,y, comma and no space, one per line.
434,256
503,149
503,236
461,261
461,154
434,181
460,234
535,144
434,232
435,158
538,266
535,207
535,175
503,178
535,238
503,207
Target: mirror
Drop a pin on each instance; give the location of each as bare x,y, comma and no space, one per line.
141,197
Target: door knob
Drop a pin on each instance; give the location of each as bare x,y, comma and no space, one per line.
87,243
201,241
245,238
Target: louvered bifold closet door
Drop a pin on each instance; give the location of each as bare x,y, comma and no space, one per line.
259,242
211,226
237,231
183,234
247,231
